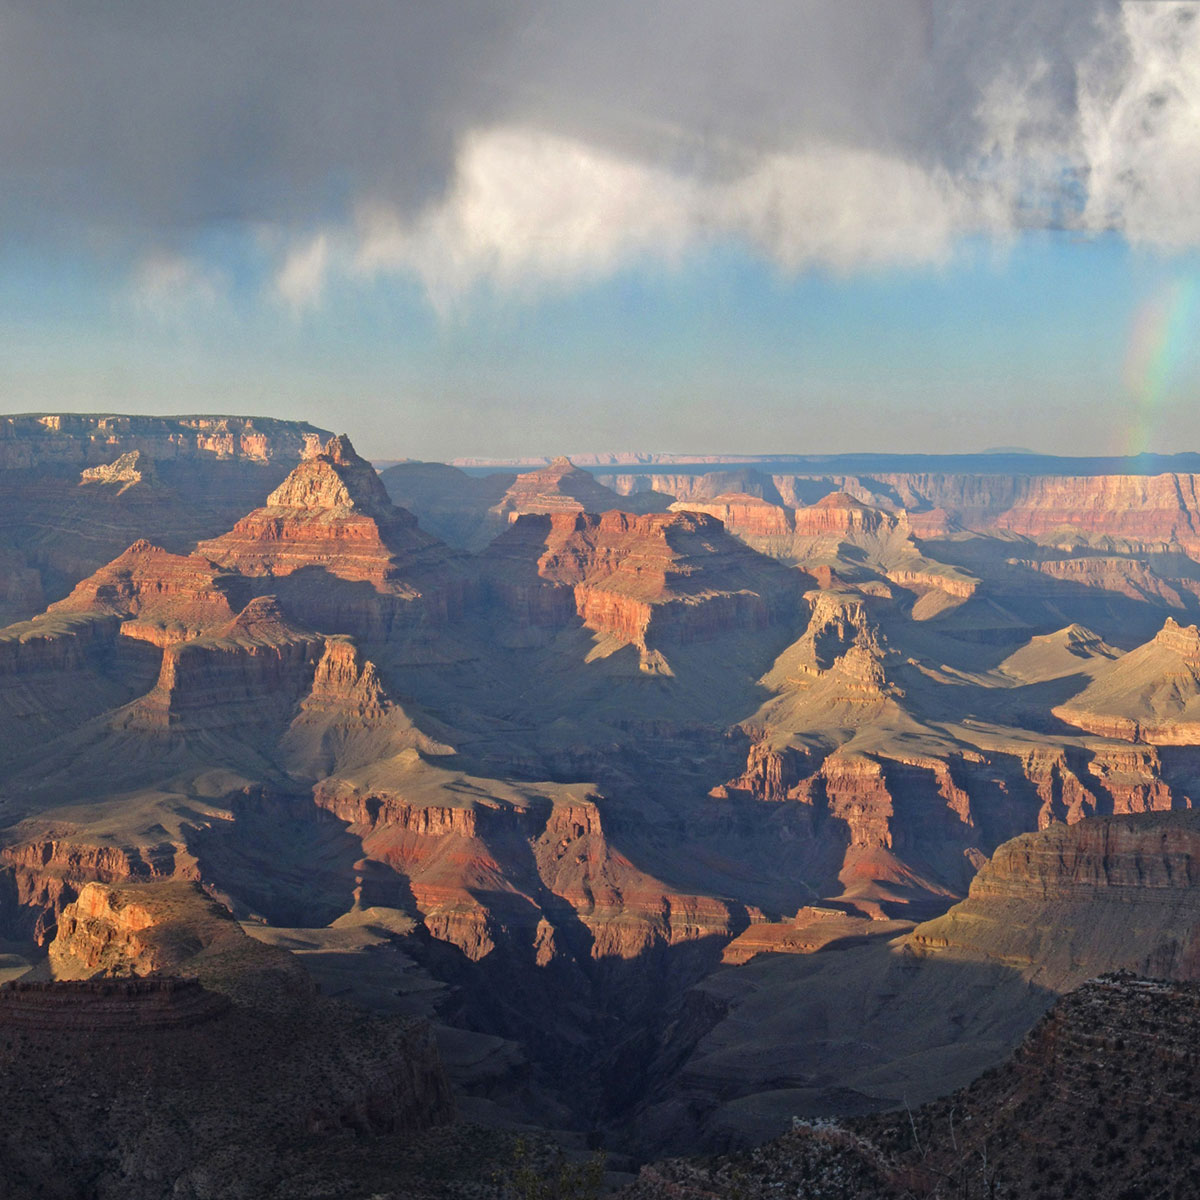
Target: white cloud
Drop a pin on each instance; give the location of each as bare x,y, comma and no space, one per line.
527,206
527,209
843,208
865,142
1139,125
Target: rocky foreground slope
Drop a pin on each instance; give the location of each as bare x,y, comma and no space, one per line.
1097,1101
236,1081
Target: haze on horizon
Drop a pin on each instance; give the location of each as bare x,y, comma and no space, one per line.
478,230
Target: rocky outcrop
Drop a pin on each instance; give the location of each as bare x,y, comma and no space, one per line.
45,876
1133,578
1145,509
54,646
132,467
485,876
116,930
692,489
387,811
134,1007
645,580
1134,856
345,682
1070,899
1138,511
250,672
815,927
1078,782
161,597
339,554
513,576
560,487
746,516
79,440
838,622
842,515
331,512
1150,511
1151,694
626,912
774,774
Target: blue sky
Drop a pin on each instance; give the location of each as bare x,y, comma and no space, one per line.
520,235
1020,344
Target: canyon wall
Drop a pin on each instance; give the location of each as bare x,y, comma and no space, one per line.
76,441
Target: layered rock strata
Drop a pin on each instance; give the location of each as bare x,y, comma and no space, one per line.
76,489
1103,893
1151,694
130,1006
339,554
251,671
487,875
560,487
161,597
80,441
678,576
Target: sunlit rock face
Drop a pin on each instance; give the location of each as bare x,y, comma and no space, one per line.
339,554
648,579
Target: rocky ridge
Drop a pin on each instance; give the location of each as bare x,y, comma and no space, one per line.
1151,694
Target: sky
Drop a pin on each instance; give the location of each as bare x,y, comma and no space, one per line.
498,230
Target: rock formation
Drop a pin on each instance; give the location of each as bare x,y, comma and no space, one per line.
251,671
1058,902
80,440
339,554
161,597
76,489
559,488
134,1007
747,516
132,467
645,580
1151,694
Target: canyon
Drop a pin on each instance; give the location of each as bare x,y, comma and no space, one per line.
643,807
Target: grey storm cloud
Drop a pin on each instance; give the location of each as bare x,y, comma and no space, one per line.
458,139
143,114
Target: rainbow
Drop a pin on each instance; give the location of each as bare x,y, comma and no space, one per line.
1158,342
